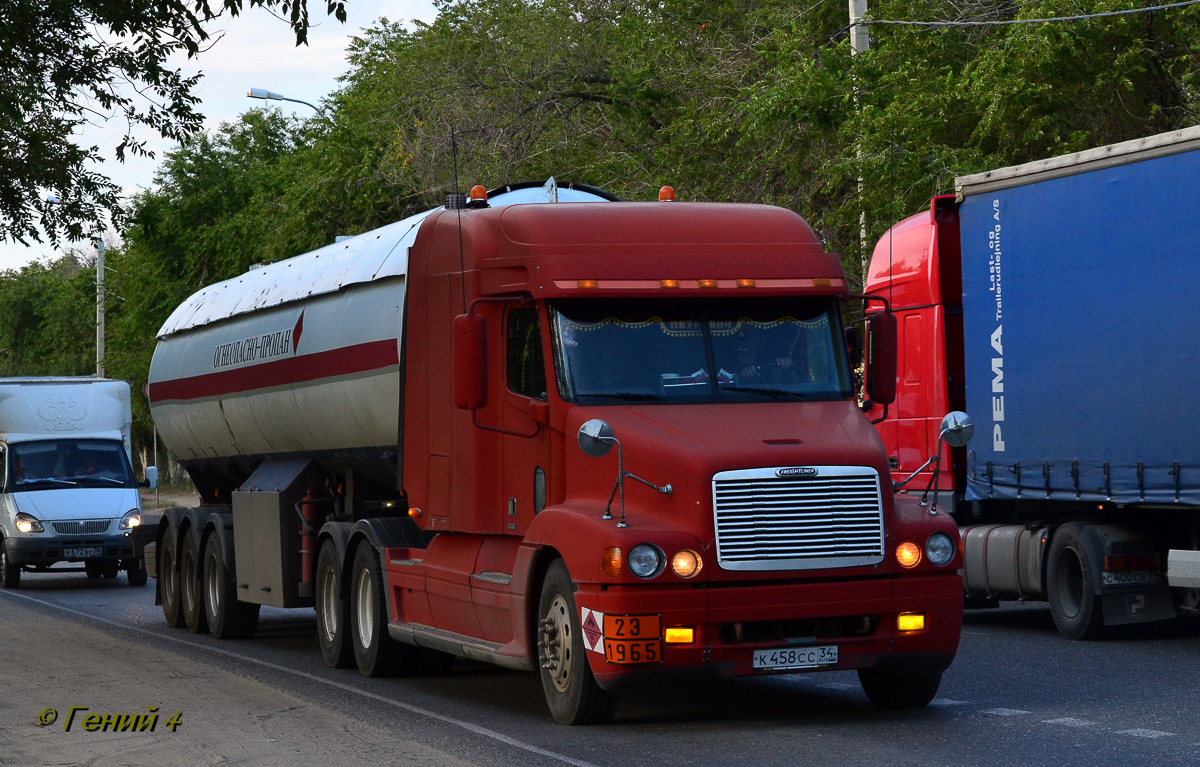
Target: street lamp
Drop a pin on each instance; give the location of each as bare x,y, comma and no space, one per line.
263,93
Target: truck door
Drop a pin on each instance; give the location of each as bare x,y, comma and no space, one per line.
527,443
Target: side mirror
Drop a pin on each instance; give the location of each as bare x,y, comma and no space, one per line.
470,362
881,358
595,438
151,481
957,428
854,345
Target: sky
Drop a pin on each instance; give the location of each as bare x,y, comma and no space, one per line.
256,50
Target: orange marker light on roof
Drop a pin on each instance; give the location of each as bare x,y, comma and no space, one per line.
478,193
668,283
587,284
745,283
666,194
707,283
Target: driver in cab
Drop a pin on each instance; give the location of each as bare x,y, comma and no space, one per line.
753,369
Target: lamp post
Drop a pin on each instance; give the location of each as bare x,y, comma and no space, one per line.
263,93
54,199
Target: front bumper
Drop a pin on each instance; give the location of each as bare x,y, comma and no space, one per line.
731,622
44,550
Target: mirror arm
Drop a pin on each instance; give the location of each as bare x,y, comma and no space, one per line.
898,485
665,489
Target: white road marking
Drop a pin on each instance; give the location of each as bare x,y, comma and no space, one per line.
1070,722
1141,733
469,726
1005,712
949,702
840,686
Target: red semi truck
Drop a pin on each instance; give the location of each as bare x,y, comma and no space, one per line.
1055,302
410,431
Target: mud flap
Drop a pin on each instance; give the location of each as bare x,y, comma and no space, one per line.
1139,607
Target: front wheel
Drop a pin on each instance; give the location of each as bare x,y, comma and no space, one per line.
375,652
135,573
887,689
1071,581
10,574
189,584
227,618
571,691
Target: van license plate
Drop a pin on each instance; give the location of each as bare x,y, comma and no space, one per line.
82,553
796,657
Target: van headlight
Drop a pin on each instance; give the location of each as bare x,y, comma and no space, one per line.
27,523
132,519
939,548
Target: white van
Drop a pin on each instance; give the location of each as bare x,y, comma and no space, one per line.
67,490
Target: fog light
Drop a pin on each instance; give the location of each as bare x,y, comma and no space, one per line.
610,563
910,622
680,635
686,564
908,554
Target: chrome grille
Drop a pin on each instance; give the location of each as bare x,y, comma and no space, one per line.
82,526
811,517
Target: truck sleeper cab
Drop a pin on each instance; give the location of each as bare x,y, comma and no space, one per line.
742,526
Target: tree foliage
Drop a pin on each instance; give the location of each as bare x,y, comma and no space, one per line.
64,63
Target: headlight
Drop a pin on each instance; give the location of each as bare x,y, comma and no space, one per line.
132,519
686,563
27,523
646,561
939,548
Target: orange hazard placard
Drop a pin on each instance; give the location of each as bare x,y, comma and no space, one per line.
632,650
632,626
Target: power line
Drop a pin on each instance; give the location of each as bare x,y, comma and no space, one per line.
1050,19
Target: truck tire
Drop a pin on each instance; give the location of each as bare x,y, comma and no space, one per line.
887,689
333,620
168,581
227,618
190,600
110,568
571,691
1071,580
375,652
135,573
10,574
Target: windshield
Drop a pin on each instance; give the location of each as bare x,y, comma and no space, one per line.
59,463
699,351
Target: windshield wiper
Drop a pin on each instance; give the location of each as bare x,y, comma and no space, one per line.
626,395
39,480
90,477
770,392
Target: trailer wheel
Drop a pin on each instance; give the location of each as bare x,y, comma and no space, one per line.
10,574
887,689
1071,580
135,573
375,652
571,691
168,581
189,584
332,618
227,618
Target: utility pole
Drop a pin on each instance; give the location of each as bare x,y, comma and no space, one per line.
99,307
860,41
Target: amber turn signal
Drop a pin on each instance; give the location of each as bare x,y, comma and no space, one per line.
679,635
414,512
587,284
610,563
908,554
910,622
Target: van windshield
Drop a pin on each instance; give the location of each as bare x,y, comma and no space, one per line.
681,351
58,463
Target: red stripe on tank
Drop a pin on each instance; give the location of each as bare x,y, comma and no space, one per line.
348,360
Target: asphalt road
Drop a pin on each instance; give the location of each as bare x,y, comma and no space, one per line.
1017,694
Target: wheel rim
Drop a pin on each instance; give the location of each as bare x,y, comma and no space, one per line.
365,607
212,586
187,574
170,577
329,616
1070,583
556,641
